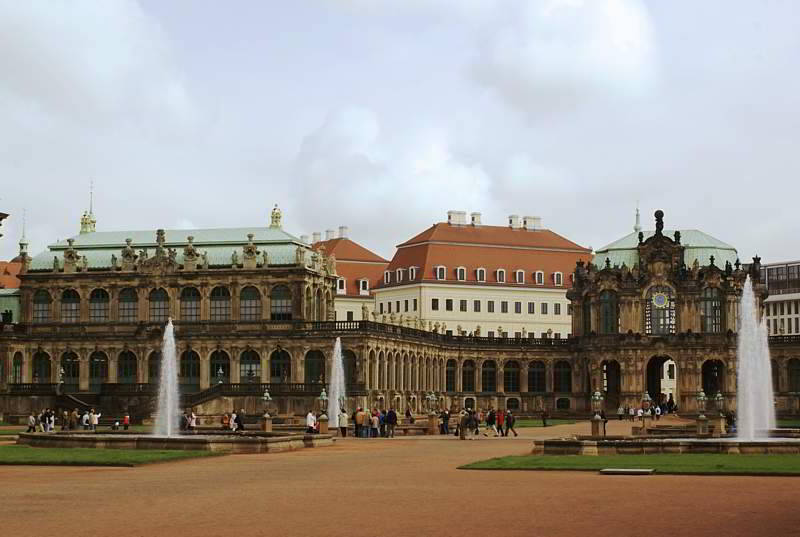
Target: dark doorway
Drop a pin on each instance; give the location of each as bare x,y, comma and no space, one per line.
713,371
612,384
655,375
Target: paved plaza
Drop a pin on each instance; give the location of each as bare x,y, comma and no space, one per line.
404,486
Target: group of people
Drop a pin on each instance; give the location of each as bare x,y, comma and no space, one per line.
652,411
370,423
230,422
499,422
45,421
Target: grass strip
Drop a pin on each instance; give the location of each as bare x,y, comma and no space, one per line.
522,423
681,464
26,455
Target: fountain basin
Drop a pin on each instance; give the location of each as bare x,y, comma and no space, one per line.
223,443
639,446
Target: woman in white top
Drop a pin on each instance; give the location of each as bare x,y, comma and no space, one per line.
233,421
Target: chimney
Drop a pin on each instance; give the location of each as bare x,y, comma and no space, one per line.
537,223
476,219
304,239
513,221
315,237
329,234
528,222
342,232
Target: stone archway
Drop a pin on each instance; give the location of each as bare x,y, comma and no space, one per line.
612,384
661,379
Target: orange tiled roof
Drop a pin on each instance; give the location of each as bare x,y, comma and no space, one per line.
8,274
490,248
354,262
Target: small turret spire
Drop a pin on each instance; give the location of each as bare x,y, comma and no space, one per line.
88,221
637,227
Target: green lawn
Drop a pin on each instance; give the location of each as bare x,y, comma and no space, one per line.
665,464
10,432
538,422
790,423
26,455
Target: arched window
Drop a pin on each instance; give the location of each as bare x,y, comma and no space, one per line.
558,278
220,304
349,365
220,367
189,372
280,367
511,377
441,272
713,377
539,277
536,377
41,368
98,370
41,306
461,273
250,304
468,376
280,303
71,370
128,306
98,306
70,306
154,367
159,306
519,276
501,276
659,310
562,377
480,275
250,367
609,313
315,367
512,404
489,376
794,375
450,376
16,369
190,304
127,368
711,310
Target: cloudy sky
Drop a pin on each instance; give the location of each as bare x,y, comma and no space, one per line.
383,114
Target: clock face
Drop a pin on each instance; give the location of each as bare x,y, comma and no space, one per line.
660,300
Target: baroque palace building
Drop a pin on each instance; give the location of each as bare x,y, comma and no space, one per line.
255,308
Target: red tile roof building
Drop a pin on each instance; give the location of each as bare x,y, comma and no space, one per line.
497,280
360,271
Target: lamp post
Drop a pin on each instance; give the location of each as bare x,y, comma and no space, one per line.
267,425
702,421
597,404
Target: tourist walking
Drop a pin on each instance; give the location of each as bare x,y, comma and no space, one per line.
544,417
631,413
500,421
311,422
51,420
240,420
342,423
94,420
233,422
510,419
65,421
620,412
126,421
490,422
445,417
31,423
85,421
658,412
391,422
73,420
409,416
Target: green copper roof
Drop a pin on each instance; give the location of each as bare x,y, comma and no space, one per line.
698,246
219,244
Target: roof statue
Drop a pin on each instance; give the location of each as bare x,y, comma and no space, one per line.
275,217
88,221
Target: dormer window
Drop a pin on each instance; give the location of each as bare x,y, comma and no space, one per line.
412,273
539,277
363,287
501,275
341,287
387,277
519,276
399,273
440,272
558,278
480,275
461,274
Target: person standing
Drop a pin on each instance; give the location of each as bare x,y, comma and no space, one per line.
85,421
544,418
490,422
658,412
620,412
500,421
73,420
233,422
126,421
631,413
342,423
391,422
31,423
376,422
510,419
240,420
65,421
311,422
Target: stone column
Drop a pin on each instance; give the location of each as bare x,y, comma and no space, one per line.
142,366
83,374
142,303
523,377
113,359
113,303
27,369
205,368
234,290
501,385
479,377
235,372
459,376
83,312
548,376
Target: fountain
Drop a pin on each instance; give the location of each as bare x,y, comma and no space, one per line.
336,389
168,411
755,407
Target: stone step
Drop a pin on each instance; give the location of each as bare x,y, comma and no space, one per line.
628,471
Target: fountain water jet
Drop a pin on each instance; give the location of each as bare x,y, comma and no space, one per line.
337,391
167,417
755,407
